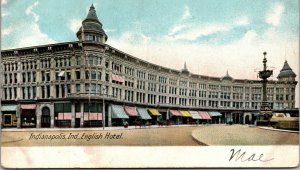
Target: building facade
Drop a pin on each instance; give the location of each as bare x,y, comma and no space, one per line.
89,83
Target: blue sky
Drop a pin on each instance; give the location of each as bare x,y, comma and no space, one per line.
211,36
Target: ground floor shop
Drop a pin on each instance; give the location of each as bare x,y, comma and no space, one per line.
75,114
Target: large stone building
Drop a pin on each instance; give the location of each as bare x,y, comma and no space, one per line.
70,84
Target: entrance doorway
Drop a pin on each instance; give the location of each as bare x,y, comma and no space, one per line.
45,119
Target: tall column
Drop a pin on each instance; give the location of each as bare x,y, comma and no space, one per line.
109,116
18,115
73,114
51,115
38,116
81,114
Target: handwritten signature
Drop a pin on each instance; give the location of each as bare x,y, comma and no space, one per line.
243,157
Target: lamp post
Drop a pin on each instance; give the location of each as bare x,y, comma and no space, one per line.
265,109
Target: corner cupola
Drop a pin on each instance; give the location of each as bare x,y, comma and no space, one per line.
91,29
286,73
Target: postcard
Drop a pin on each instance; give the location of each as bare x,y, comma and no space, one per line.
149,84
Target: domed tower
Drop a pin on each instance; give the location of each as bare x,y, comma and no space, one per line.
227,77
91,29
185,70
286,73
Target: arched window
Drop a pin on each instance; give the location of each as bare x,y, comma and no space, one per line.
93,74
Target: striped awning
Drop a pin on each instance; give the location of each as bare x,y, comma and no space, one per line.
92,116
185,113
195,115
143,113
131,111
204,115
215,114
118,112
154,112
64,116
9,108
175,113
117,78
28,106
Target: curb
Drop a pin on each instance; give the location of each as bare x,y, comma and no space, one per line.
279,130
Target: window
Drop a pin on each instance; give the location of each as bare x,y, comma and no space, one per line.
77,75
78,88
78,60
93,76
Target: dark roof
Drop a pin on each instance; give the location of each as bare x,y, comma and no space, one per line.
91,23
227,77
286,71
185,70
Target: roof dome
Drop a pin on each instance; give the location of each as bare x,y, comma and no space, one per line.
91,25
286,71
227,77
185,70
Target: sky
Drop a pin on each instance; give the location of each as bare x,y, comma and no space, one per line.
211,36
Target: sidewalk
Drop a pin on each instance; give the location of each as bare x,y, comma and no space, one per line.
92,128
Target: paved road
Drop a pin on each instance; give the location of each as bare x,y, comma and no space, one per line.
165,136
243,135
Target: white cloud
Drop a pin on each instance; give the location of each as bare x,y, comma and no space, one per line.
185,30
275,15
29,32
181,23
74,24
6,31
3,2
3,13
243,20
186,13
29,11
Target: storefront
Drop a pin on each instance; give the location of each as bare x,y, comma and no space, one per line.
92,116
154,115
216,117
196,116
205,117
132,113
62,114
143,115
176,117
186,117
119,117
9,115
92,119
28,115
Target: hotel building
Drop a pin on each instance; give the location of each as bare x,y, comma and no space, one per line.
87,82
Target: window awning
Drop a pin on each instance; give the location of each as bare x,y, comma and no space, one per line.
117,78
64,116
131,111
204,115
9,108
215,114
143,113
154,112
118,112
175,113
195,115
185,113
28,106
92,116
